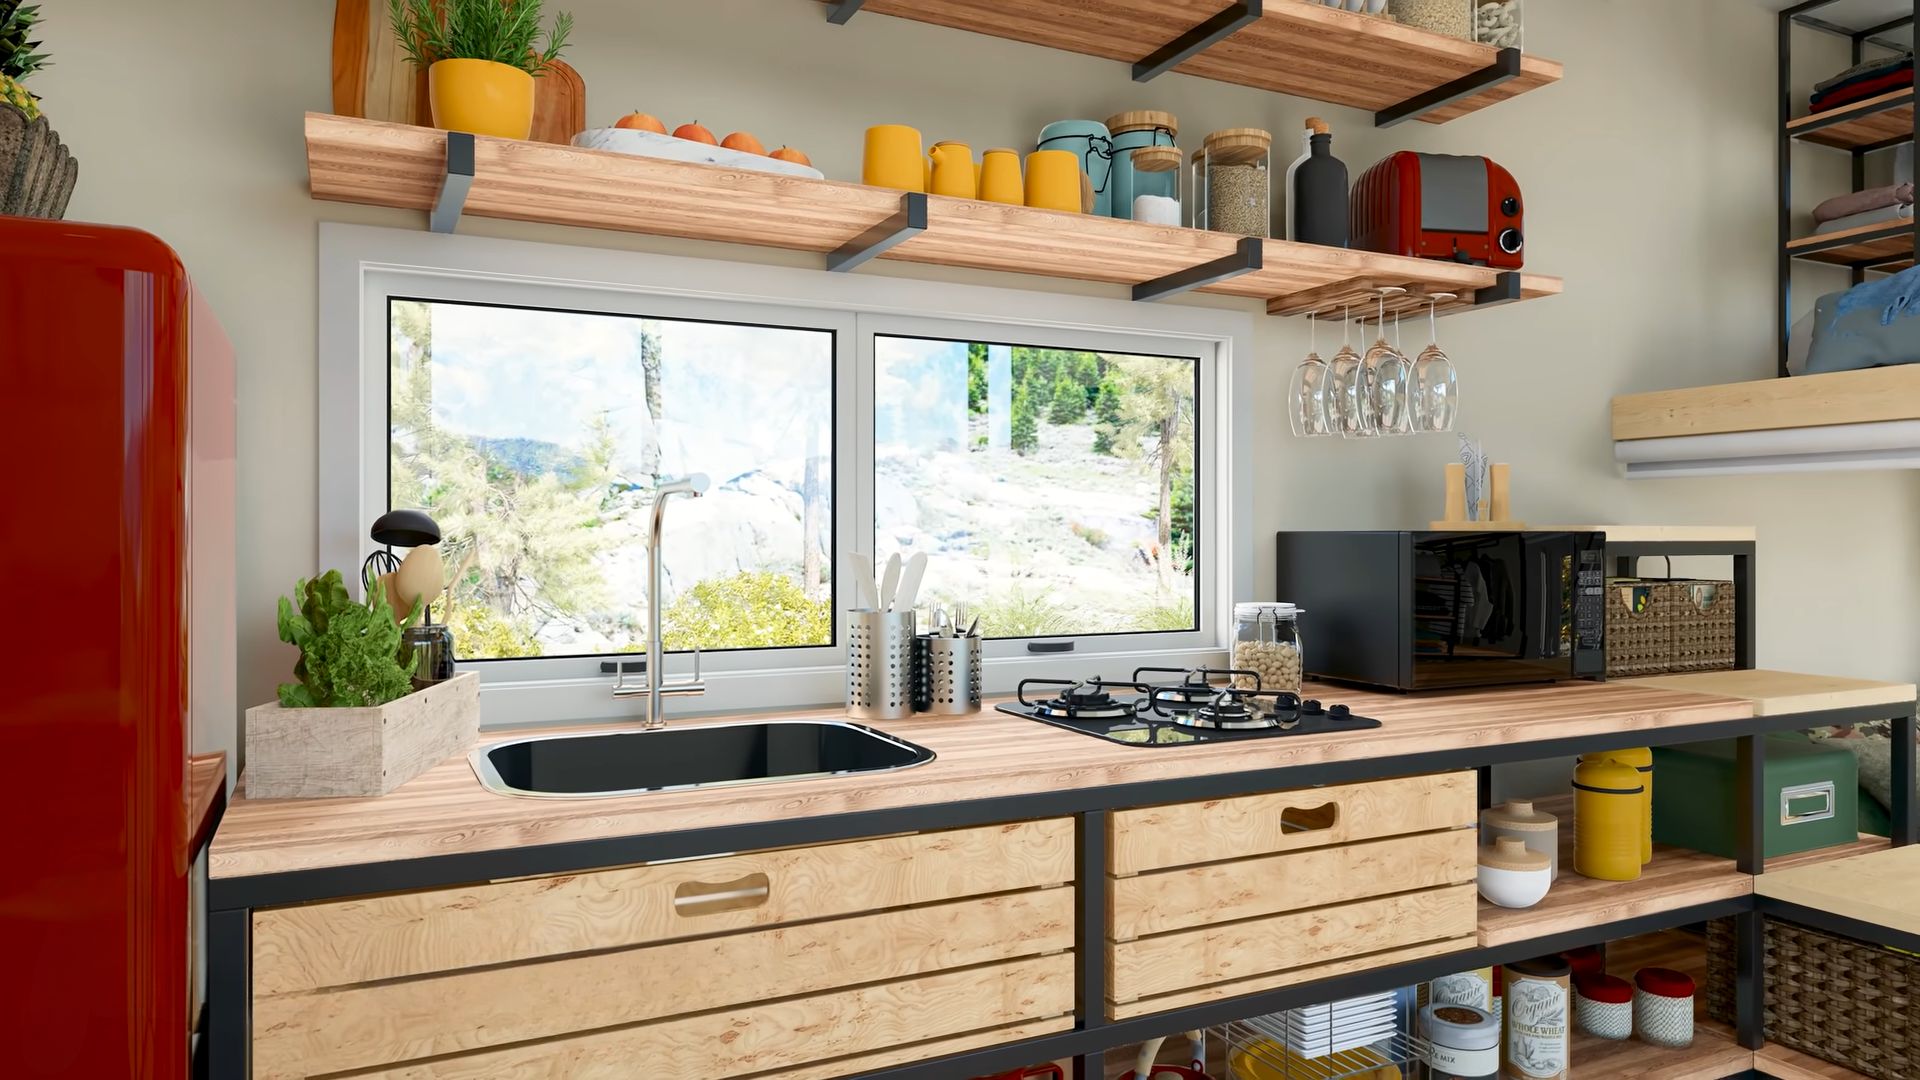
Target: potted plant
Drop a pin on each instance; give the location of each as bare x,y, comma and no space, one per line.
37,174
352,724
481,59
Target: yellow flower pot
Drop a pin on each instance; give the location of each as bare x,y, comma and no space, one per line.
481,96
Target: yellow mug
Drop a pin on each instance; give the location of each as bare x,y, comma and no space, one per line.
1000,177
953,170
1053,180
893,158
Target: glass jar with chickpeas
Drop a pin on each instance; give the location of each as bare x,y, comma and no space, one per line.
1266,641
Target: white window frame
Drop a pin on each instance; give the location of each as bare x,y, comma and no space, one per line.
360,266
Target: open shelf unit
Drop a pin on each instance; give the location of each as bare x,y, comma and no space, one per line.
1873,124
1886,246
448,174
1286,46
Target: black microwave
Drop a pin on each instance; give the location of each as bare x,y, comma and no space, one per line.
1431,610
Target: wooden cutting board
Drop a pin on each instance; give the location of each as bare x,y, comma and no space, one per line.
559,105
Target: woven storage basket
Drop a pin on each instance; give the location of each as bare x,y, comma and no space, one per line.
1639,627
1837,999
1702,618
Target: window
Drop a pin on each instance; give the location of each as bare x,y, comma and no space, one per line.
534,436
1064,461
1052,489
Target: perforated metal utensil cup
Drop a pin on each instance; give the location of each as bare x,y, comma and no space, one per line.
880,665
947,675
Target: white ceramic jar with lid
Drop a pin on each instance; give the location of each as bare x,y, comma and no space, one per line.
1266,642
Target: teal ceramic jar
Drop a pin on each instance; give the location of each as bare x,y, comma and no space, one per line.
1089,141
1129,131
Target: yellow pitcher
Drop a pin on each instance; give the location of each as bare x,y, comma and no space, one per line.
952,170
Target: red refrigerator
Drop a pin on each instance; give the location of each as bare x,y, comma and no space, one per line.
116,414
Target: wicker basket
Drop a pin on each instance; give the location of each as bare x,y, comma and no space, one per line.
1837,999
1639,627
1702,615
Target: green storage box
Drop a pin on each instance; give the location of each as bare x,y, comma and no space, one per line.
1812,798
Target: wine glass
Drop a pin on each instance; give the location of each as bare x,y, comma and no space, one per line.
1349,409
1388,374
1307,396
1436,386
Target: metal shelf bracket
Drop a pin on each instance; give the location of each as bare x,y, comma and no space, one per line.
1504,290
454,183
908,221
1249,255
1197,40
1505,67
840,11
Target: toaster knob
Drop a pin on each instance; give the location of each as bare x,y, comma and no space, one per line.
1510,206
1511,241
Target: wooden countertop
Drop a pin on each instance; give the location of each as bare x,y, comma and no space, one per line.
445,810
1779,693
1877,888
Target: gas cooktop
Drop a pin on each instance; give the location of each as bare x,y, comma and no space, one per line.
1189,710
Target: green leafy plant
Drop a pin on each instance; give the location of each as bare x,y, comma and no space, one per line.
751,609
18,58
502,31
348,650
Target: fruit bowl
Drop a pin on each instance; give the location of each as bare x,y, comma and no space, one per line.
649,144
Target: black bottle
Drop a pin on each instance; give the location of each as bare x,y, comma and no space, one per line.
1318,201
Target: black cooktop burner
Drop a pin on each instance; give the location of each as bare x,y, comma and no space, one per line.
1191,710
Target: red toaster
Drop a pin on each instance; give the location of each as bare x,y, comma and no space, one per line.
1439,206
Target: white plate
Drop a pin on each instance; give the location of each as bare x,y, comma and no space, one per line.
650,144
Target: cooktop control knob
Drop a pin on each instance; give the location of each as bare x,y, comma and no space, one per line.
1310,705
1510,206
1340,712
1286,700
1511,241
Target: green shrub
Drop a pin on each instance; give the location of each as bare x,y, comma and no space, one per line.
1014,613
753,609
348,650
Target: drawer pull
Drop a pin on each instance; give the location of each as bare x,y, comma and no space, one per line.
712,898
1299,819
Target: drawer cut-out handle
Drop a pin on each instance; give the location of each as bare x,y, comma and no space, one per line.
712,898
1299,819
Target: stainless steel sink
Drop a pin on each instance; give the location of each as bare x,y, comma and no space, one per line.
601,764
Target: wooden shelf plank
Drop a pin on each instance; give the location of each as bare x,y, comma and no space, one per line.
1877,888
1841,397
1864,123
1866,845
1675,879
1782,693
1885,245
1663,534
1782,1063
1715,1053
397,165
1305,50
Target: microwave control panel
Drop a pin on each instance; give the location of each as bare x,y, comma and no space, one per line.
1590,602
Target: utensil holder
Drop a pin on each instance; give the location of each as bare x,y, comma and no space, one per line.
946,675
880,665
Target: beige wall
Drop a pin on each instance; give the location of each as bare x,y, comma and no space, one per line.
1648,173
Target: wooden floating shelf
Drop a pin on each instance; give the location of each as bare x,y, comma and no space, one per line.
1843,397
1664,534
1715,1053
1877,122
1287,46
1886,245
397,165
1781,1063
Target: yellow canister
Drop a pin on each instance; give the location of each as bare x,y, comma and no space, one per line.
893,158
1607,798
1641,758
1000,176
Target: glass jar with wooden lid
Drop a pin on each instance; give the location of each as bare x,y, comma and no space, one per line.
1142,141
1233,182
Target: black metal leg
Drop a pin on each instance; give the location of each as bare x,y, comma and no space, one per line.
1750,791
229,992
1745,600
1906,814
1090,1067
1750,978
1090,909
1484,778
1783,173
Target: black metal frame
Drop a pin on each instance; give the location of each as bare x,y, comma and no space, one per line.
1248,255
1505,68
1197,40
1801,15
907,222
1743,553
231,900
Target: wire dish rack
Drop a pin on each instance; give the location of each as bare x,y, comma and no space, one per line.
1358,1038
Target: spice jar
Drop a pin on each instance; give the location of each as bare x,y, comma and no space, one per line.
1233,182
1641,758
1463,1042
1497,23
1539,1008
1663,1007
1607,820
1266,642
1603,1005
1453,18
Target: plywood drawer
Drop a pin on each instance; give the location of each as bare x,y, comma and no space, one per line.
355,941
1183,834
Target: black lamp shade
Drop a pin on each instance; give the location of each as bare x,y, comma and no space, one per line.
405,528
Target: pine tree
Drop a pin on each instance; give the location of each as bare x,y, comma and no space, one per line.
977,379
1026,421
1106,418
1069,401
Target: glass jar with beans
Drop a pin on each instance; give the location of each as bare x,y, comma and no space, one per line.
1266,642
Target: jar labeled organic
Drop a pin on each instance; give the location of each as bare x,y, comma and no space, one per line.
1266,643
1233,182
1538,1021
1497,23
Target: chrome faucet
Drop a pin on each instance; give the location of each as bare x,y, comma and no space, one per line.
654,684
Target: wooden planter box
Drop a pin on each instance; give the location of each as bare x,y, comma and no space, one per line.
318,753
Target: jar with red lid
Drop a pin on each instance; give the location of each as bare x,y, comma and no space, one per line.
1663,1007
1603,1005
